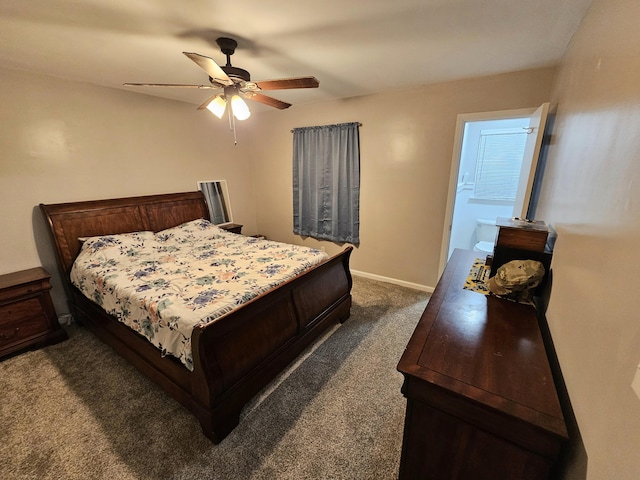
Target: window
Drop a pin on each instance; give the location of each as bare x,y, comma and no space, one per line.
326,182
499,163
217,197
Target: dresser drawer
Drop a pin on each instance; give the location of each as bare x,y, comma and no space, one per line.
19,310
13,333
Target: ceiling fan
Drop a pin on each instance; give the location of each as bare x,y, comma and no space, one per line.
234,84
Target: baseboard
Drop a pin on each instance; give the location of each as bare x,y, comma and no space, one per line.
395,281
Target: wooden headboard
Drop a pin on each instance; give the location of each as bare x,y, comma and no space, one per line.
69,221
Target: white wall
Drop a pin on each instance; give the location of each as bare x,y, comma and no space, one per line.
591,194
65,141
406,144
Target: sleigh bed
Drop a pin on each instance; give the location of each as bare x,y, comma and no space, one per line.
232,357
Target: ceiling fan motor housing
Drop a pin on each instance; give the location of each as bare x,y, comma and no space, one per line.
228,47
236,74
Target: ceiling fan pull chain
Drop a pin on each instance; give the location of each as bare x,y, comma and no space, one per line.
232,124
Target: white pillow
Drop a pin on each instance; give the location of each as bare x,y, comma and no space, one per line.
190,231
120,239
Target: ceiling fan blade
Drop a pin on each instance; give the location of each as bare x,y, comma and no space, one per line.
210,67
170,85
286,83
272,102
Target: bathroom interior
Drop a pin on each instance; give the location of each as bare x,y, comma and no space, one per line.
474,217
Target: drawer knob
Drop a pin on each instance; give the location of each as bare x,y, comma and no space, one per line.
5,336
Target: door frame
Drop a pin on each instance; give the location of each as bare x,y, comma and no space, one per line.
530,160
461,120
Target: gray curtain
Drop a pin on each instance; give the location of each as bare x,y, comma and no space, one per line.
326,182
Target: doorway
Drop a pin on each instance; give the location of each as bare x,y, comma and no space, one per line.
493,167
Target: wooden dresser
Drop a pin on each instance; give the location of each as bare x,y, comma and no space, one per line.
481,399
27,316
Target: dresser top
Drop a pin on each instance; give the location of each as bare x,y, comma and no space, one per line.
484,348
22,277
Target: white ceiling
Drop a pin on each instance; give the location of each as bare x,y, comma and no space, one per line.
353,47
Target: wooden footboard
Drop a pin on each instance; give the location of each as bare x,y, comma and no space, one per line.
240,353
236,355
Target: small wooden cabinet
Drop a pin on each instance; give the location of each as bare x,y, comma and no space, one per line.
481,399
232,227
27,316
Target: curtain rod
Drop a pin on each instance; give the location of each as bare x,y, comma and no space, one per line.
359,124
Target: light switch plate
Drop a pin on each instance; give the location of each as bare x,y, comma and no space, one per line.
635,384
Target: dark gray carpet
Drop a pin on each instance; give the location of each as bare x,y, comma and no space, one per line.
76,410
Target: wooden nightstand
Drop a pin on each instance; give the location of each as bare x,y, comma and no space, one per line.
232,227
27,316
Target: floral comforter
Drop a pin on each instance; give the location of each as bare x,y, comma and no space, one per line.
162,285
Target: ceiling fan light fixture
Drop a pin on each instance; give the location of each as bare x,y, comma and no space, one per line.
217,106
239,108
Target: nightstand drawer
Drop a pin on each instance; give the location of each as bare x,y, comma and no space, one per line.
17,311
10,334
19,291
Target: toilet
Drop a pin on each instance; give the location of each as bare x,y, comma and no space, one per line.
486,232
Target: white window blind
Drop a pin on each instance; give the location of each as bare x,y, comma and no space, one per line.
499,163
